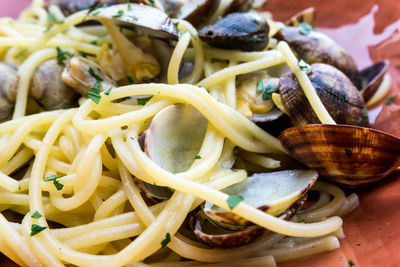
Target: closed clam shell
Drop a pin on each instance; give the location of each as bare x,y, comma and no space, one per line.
340,97
216,236
242,31
349,155
371,78
316,47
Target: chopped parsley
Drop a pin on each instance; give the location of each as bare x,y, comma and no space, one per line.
94,75
134,18
176,24
266,91
305,28
302,222
197,157
348,152
390,100
365,113
94,42
83,54
120,13
35,229
95,8
36,215
343,52
151,3
132,138
351,263
141,102
108,91
56,183
304,66
166,240
129,5
233,201
94,93
61,55
129,78
51,18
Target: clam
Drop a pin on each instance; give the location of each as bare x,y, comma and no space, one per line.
77,74
243,31
8,89
197,12
48,89
305,16
371,78
315,47
271,192
69,7
217,236
143,19
338,94
348,155
173,141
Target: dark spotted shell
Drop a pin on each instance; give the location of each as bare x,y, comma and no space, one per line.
242,31
338,94
316,47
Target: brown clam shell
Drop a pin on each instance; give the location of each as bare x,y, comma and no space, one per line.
202,13
371,78
338,94
348,155
316,47
307,15
224,238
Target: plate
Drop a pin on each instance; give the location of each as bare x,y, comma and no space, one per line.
370,31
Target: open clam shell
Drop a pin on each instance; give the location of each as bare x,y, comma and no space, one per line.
271,192
307,15
173,141
143,19
349,155
175,136
372,77
216,236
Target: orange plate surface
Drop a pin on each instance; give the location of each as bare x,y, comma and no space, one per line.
370,31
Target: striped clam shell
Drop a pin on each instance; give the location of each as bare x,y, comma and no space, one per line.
348,155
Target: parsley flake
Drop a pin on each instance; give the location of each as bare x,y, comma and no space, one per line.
166,240
94,75
260,87
304,66
129,78
343,52
197,157
129,5
94,42
141,102
302,222
83,54
36,215
305,28
61,55
390,100
56,183
151,3
35,229
20,53
233,201
266,95
94,93
348,152
120,13
351,263
176,24
51,18
108,91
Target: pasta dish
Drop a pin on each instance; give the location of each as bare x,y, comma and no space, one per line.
145,133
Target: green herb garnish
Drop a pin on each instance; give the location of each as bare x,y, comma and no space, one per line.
83,54
343,52
266,95
302,222
141,102
108,91
176,24
94,75
51,18
61,55
36,215
20,53
390,100
197,157
94,42
56,183
260,87
166,240
120,13
304,66
233,201
348,152
129,78
35,229
351,263
305,28
129,5
94,93
151,3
